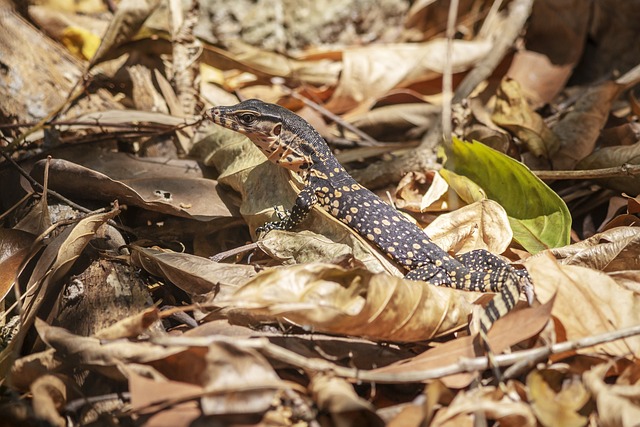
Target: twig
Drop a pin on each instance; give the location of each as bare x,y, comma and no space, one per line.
613,172
335,118
231,252
466,365
447,75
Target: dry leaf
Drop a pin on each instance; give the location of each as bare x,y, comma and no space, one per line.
556,400
356,302
617,404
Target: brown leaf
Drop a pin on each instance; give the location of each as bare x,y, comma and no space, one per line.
356,302
14,249
588,302
237,381
336,398
608,157
147,395
193,274
514,113
612,250
131,326
173,196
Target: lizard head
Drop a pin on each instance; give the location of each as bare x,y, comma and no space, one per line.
266,126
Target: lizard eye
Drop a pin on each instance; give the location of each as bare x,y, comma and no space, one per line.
247,118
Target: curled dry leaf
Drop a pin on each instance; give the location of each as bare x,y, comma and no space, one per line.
410,194
612,250
588,302
490,403
617,404
481,225
357,302
557,400
49,397
344,408
130,327
514,113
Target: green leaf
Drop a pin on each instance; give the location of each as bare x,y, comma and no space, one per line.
539,218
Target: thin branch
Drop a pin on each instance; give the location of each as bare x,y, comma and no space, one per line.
625,170
465,365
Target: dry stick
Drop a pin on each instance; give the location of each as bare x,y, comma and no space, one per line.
337,119
613,172
447,75
466,365
383,173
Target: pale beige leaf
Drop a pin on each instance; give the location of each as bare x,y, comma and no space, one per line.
588,302
612,250
617,404
330,299
481,225
370,72
126,22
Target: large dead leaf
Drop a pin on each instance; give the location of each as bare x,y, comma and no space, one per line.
330,299
608,157
173,196
370,72
14,248
588,302
193,274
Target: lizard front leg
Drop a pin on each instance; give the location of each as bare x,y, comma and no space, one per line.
290,218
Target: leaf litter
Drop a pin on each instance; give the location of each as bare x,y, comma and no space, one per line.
313,326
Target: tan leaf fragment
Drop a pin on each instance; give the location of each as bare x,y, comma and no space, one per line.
49,397
357,302
237,381
131,326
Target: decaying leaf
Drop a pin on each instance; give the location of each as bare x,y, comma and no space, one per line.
355,302
557,400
